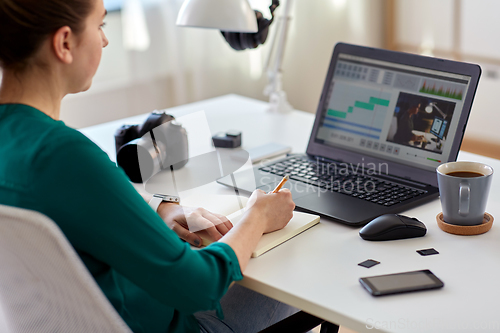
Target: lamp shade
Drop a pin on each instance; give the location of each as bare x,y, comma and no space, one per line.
225,15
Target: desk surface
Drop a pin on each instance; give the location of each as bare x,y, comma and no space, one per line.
317,271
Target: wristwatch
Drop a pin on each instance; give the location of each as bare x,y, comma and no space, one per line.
159,198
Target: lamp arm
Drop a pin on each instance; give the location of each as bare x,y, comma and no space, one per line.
271,51
277,97
282,37
273,64
440,111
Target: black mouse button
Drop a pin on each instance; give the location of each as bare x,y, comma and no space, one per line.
411,221
381,224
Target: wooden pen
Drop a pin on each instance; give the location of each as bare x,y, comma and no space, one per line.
282,182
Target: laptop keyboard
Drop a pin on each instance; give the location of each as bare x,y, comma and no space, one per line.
334,178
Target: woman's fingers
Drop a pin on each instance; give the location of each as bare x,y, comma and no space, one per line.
201,219
213,234
219,221
194,223
186,235
224,220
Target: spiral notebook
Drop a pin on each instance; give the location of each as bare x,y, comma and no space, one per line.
230,206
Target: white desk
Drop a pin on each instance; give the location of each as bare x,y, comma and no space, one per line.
318,272
431,145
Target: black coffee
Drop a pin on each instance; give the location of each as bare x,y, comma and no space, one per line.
465,174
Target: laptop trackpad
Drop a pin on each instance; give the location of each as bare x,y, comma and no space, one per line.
341,207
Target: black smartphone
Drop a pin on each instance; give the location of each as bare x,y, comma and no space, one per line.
401,282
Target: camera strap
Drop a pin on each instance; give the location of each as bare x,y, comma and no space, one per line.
158,153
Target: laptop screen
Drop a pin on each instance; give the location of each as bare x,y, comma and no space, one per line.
396,112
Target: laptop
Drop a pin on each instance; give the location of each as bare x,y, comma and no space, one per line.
385,121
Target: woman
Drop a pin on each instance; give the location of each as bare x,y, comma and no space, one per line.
155,281
404,133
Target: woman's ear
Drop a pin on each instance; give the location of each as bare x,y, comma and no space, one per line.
63,44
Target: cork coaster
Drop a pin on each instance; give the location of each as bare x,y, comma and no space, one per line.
465,230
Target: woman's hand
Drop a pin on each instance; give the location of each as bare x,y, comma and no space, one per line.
190,223
265,213
275,208
418,138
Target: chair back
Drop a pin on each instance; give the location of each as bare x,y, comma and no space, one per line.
44,286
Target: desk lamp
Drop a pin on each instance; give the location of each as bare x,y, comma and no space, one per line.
244,28
225,15
431,106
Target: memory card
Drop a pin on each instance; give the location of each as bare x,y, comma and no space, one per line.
427,252
369,263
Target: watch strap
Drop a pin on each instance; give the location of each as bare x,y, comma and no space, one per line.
157,199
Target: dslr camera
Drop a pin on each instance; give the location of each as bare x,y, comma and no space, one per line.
160,143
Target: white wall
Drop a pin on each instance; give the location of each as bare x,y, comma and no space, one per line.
480,28
425,23
185,65
316,27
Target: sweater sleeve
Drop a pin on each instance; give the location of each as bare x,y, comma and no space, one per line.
103,216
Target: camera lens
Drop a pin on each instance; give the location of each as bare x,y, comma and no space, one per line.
162,148
139,159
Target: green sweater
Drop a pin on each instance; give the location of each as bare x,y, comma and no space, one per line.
154,280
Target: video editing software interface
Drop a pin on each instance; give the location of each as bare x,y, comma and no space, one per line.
401,113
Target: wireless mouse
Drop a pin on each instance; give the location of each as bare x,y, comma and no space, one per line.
391,227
